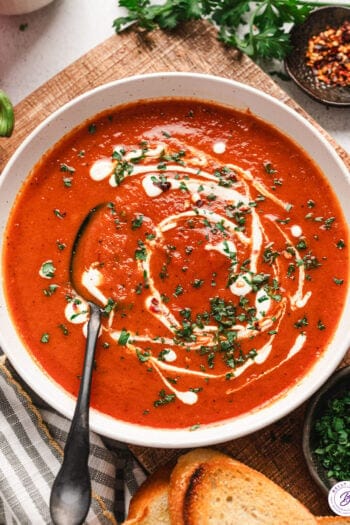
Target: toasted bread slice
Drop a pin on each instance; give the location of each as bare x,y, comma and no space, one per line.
180,477
333,520
210,488
149,505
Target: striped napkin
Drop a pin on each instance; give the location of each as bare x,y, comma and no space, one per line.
32,439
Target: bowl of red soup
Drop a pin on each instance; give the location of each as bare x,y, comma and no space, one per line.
209,222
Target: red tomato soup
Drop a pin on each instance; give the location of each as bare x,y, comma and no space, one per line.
215,247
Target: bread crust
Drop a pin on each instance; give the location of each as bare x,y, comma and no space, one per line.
149,505
180,477
226,492
207,487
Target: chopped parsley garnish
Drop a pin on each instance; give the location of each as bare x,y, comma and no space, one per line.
178,290
140,252
45,338
137,222
61,245
162,354
320,325
111,304
143,357
164,399
161,182
301,245
63,329
197,283
59,214
47,270
67,182
301,323
269,168
50,290
270,255
310,261
123,337
176,157
227,177
66,168
332,431
122,170
328,223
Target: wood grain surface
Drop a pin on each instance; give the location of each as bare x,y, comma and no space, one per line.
276,450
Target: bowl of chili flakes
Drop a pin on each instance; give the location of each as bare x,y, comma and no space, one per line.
319,62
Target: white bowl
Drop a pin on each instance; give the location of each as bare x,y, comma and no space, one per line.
154,86
20,7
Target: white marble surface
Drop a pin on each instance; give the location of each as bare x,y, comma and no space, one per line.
60,33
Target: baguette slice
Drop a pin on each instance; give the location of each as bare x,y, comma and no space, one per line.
210,488
149,505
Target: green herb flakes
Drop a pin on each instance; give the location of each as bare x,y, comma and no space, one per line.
123,337
59,214
67,169
164,399
137,222
47,270
50,290
45,338
332,432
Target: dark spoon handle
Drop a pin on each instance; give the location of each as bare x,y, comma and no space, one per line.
71,492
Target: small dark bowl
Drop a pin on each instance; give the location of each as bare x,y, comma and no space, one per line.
334,387
295,62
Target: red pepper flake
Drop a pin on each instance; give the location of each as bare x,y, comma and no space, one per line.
154,307
328,55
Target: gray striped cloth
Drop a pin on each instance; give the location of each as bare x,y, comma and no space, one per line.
32,439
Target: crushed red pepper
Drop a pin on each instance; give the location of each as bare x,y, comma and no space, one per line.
328,55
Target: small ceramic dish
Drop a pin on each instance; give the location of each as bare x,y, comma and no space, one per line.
336,386
296,62
20,7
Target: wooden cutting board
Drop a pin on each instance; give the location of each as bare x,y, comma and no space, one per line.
276,451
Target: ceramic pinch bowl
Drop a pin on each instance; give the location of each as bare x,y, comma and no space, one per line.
335,387
296,62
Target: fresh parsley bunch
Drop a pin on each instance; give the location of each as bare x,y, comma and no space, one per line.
259,29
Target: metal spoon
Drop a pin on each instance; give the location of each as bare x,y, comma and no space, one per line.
71,491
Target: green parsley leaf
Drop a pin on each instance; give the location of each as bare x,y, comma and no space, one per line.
124,337
47,270
45,338
164,399
260,29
